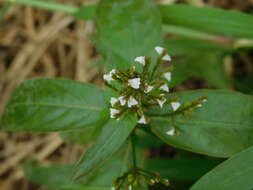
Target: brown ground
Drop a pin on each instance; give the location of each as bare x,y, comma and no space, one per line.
37,43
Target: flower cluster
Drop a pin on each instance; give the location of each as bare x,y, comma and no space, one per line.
141,90
135,178
138,91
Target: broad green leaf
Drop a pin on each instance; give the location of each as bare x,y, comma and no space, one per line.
181,169
127,29
52,177
222,127
233,174
55,177
112,137
210,20
182,46
85,13
85,188
199,59
52,105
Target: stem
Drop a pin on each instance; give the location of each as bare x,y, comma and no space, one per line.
48,5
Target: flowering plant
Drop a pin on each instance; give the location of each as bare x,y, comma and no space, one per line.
143,110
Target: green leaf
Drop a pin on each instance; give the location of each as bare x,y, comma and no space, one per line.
55,177
127,29
85,188
210,20
44,105
112,137
199,59
233,174
51,177
85,13
222,127
181,169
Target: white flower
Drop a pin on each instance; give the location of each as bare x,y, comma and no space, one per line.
130,187
166,58
165,88
142,120
140,59
171,132
114,112
199,105
122,100
108,77
113,101
167,76
159,50
132,102
135,83
175,105
204,100
161,102
148,89
112,188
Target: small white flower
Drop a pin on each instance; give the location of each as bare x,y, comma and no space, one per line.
108,77
142,120
175,105
204,100
113,101
122,100
131,102
167,76
166,58
171,132
165,88
161,102
130,187
114,112
159,50
148,89
140,59
112,188
135,83
199,105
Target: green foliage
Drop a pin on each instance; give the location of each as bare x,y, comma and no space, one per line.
233,174
43,105
112,137
127,30
210,20
183,169
222,127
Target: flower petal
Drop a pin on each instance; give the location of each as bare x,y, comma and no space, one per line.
135,83
167,76
142,120
148,89
175,105
171,132
113,101
165,88
131,102
114,112
159,50
122,100
140,59
166,58
161,102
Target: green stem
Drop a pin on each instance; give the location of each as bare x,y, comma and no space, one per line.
47,5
